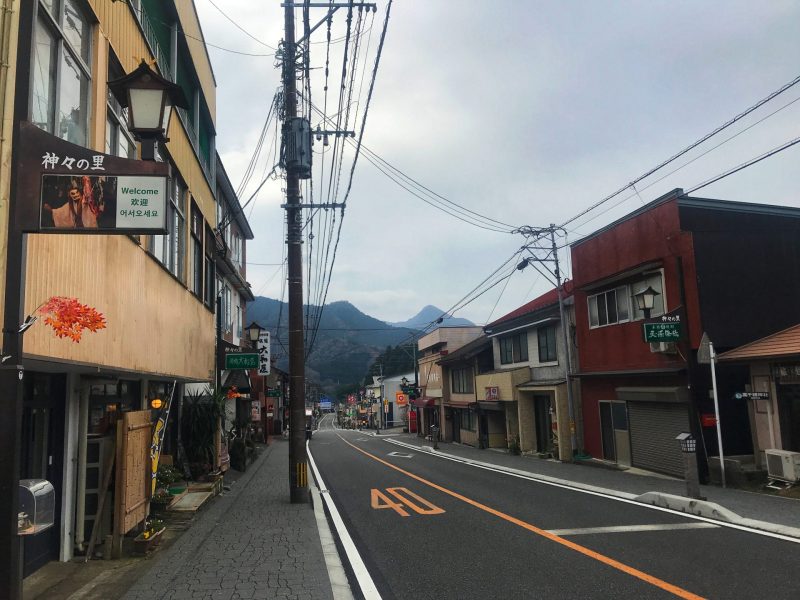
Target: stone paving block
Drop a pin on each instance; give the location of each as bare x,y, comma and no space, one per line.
247,544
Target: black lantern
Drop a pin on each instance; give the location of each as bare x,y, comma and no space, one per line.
645,300
149,99
253,331
688,442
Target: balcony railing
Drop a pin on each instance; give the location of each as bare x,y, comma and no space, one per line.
150,35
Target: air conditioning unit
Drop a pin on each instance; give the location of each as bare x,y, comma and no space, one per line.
663,347
783,465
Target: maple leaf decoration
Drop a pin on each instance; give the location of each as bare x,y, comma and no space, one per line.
233,393
69,318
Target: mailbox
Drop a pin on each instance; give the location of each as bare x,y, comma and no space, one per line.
37,501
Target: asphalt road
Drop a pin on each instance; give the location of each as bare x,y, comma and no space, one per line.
426,527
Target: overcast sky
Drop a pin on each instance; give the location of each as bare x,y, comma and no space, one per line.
523,111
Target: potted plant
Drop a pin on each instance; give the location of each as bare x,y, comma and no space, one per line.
150,537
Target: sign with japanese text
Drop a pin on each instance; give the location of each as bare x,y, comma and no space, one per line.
255,410
263,353
662,332
66,188
666,328
241,361
492,393
273,393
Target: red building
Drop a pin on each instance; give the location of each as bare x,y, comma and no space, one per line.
729,269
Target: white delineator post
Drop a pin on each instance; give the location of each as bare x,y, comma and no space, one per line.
713,356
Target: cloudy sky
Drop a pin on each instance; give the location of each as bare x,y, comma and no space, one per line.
525,112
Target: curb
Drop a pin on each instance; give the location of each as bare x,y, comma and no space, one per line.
713,511
703,509
340,587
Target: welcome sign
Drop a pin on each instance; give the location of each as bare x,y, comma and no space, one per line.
103,202
66,188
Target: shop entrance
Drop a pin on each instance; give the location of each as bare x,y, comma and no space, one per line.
43,458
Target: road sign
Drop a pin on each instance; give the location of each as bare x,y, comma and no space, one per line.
273,393
238,360
751,395
670,331
704,351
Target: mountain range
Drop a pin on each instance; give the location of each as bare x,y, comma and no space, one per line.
347,340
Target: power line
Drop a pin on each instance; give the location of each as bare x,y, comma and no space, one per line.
746,164
239,27
688,148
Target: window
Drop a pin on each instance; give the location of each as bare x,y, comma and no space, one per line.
61,75
609,307
170,249
210,271
468,420
547,344
227,324
514,348
463,381
238,320
119,141
619,306
197,251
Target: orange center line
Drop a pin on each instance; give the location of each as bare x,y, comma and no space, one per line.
659,583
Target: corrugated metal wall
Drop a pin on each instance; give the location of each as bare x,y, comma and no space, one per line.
653,427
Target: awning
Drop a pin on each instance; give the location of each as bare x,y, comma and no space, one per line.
483,405
238,378
653,394
423,402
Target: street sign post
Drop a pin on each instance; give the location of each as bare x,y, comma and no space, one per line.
239,360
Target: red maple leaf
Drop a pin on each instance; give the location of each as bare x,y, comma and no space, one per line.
69,318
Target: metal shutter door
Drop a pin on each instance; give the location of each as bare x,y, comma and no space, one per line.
653,427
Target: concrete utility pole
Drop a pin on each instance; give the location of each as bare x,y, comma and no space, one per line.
564,331
298,461
538,234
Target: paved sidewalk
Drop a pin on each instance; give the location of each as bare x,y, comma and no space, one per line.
251,543
749,505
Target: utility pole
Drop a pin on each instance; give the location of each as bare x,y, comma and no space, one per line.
564,328
538,234
298,465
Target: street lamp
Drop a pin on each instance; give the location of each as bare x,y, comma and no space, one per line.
254,331
646,299
149,99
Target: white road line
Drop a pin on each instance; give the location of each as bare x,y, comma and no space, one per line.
400,455
593,491
631,528
365,582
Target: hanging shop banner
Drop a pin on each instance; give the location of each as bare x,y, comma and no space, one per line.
66,188
263,353
158,438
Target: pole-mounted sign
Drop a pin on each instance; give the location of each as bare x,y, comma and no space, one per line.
263,352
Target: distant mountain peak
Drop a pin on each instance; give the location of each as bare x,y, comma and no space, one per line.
428,315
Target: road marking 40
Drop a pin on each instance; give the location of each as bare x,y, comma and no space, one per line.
380,501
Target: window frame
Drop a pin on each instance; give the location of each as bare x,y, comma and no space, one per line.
196,232
512,346
117,116
462,380
547,335
624,298
53,23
